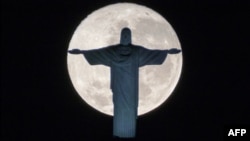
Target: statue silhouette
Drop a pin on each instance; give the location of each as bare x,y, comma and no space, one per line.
124,59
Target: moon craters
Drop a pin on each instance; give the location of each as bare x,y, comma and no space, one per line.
102,28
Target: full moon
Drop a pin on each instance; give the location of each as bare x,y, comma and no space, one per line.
102,28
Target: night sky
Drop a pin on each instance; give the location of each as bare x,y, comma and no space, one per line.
39,102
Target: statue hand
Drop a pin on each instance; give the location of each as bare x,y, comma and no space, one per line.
75,51
174,51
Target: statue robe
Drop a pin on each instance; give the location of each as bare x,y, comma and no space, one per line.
124,66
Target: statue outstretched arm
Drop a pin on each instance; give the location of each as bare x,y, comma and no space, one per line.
99,56
154,57
173,51
76,51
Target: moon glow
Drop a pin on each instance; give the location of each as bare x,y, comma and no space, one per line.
102,28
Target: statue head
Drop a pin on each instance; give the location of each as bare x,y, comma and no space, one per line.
125,36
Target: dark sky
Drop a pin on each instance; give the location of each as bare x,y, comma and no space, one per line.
38,101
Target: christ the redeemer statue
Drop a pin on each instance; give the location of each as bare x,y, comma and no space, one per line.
124,59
